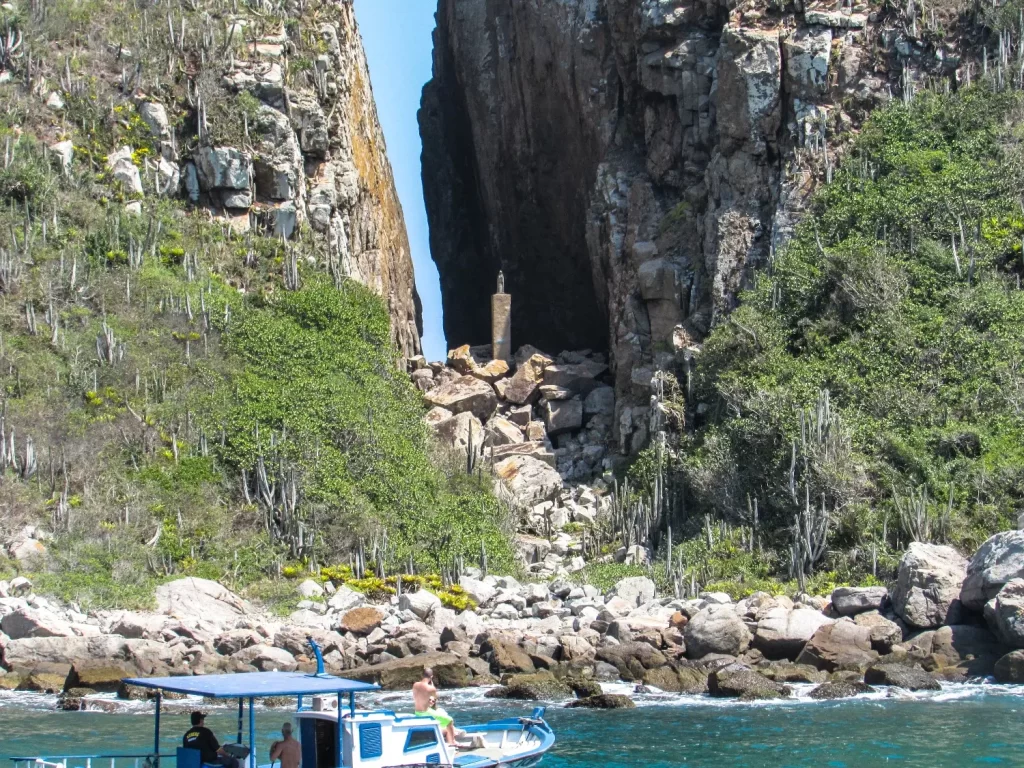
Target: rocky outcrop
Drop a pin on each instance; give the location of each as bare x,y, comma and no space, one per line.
927,589
627,164
999,560
900,676
1004,613
840,645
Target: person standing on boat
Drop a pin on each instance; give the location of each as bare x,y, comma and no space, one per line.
201,738
423,693
288,750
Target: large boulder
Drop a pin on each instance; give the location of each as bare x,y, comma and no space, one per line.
524,386
603,701
464,432
631,659
145,626
506,656
782,633
529,478
465,394
900,676
840,645
998,561
480,591
635,590
884,632
927,589
563,415
737,681
267,658
422,603
971,649
839,690
234,640
540,686
716,629
1004,613
100,676
28,622
849,601
450,671
1010,668
345,599
201,602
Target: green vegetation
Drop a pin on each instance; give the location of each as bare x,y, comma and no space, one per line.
176,406
872,380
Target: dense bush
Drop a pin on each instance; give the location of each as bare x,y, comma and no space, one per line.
900,297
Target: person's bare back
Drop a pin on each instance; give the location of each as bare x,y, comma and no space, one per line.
421,693
289,751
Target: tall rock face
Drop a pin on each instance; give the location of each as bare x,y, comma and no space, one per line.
317,155
629,163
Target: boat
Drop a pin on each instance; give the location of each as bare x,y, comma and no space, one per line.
333,733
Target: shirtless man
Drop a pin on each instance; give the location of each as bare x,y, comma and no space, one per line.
288,751
422,693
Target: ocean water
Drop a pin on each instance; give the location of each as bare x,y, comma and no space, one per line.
962,725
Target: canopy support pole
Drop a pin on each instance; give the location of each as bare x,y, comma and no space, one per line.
241,704
252,731
156,730
351,703
341,735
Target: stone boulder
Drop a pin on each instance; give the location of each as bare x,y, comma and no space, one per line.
223,168
738,681
782,633
999,560
463,432
122,168
716,629
361,621
529,478
100,676
266,658
901,676
563,415
839,645
421,603
234,640
145,626
927,589
480,591
45,678
1010,668
839,690
466,394
635,590
1004,613
849,601
631,659
788,672
200,602
506,656
524,386
28,622
345,599
884,633
974,650
603,701
399,675
540,686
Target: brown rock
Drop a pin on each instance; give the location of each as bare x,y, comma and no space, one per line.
361,621
908,678
465,394
104,677
506,656
738,681
524,386
604,701
830,691
399,675
46,678
842,645
494,370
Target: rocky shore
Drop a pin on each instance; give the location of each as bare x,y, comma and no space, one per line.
945,618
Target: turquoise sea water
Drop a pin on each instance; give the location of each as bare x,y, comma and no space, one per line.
962,726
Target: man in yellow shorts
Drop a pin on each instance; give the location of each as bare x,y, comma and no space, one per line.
424,696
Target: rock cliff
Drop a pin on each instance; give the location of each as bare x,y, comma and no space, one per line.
630,163
313,152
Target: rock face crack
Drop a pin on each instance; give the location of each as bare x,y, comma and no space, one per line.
628,164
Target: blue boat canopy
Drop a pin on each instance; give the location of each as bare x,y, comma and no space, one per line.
254,685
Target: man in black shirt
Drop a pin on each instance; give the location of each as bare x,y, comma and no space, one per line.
201,738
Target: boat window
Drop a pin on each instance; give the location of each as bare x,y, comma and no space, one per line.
420,738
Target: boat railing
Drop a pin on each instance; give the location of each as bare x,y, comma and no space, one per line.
91,761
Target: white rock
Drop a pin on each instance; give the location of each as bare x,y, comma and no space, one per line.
345,599
505,611
478,590
715,598
635,590
28,623
123,169
420,603
310,589
64,151
20,586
